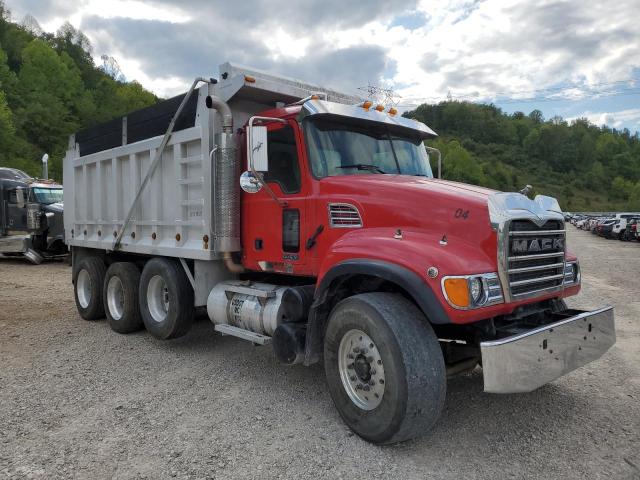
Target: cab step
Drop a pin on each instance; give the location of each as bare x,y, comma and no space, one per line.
252,337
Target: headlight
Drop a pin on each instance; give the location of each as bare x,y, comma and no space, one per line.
475,289
472,291
571,273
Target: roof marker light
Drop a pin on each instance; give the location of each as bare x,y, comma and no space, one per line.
380,108
392,111
367,105
249,79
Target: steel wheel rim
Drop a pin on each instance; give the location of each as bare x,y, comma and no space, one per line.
158,298
83,288
361,369
115,298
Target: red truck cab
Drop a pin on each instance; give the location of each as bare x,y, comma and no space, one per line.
349,200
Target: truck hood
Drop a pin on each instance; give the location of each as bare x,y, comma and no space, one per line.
445,208
54,207
466,215
408,191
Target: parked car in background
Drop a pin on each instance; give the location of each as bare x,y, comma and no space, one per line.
620,227
584,223
630,230
604,228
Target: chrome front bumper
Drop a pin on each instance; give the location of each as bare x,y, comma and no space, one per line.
526,361
15,243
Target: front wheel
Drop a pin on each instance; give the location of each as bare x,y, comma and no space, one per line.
384,367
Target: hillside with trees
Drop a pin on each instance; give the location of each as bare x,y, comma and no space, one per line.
586,167
51,87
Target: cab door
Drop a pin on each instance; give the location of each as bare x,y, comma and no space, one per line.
274,231
16,210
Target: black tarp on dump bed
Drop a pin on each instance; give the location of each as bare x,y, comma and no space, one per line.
141,124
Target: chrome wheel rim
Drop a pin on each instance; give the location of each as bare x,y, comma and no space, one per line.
361,369
115,298
158,298
83,288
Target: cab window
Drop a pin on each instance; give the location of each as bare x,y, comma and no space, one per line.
284,168
17,196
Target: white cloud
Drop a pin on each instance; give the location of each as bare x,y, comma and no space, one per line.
134,9
477,50
617,119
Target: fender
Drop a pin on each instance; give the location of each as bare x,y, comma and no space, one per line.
401,260
409,281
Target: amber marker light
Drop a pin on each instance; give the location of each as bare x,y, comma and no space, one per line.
380,108
367,105
457,291
392,111
249,79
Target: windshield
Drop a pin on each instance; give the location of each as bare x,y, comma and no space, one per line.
349,148
47,195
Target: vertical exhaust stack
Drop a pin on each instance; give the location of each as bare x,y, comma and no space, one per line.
45,166
226,170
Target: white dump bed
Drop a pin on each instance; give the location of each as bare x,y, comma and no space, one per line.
175,214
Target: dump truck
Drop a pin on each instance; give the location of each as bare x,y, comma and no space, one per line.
310,221
31,224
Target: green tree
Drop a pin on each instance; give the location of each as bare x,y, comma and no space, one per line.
536,116
8,79
621,188
458,164
49,88
7,129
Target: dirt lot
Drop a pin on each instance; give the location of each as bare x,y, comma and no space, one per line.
80,401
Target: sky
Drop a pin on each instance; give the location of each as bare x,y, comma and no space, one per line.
574,59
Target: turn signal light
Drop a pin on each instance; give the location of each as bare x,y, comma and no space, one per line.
465,292
457,291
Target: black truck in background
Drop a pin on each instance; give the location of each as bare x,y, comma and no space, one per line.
31,222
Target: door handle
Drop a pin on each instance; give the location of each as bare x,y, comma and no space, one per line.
312,240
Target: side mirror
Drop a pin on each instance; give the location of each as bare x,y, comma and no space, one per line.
257,149
249,183
437,152
21,199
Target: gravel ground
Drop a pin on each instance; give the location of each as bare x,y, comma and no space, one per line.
80,401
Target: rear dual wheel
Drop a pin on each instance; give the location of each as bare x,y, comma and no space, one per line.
161,298
88,288
121,285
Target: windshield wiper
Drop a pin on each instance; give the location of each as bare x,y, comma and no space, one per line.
364,166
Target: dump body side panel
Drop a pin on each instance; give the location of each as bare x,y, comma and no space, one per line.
174,215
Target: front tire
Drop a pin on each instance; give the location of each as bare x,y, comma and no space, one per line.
384,367
166,299
121,284
87,288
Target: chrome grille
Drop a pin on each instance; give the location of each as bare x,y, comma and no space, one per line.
344,215
535,257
